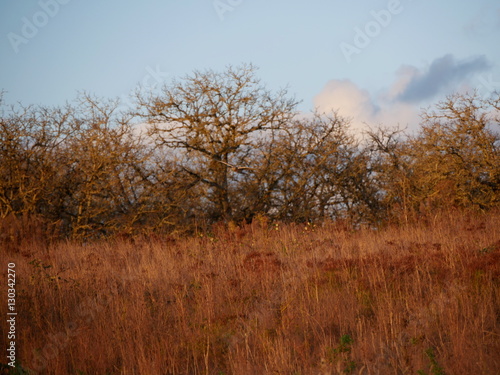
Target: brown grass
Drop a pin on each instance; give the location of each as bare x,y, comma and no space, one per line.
283,299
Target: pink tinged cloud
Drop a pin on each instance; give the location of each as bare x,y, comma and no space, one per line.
400,103
355,103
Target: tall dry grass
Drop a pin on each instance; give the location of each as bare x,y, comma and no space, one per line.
278,299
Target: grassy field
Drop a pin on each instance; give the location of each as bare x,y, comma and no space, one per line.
266,299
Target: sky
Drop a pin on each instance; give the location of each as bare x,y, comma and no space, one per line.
376,62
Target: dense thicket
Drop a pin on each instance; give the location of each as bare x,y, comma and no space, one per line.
219,146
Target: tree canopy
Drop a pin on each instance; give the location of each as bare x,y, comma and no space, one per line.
220,146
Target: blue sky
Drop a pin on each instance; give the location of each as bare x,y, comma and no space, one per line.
375,61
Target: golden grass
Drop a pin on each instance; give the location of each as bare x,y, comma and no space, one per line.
283,299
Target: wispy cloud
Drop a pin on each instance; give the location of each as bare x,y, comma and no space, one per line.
400,103
442,73
486,20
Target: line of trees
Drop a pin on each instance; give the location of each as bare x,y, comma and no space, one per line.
220,146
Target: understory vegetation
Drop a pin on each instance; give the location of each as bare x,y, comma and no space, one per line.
267,298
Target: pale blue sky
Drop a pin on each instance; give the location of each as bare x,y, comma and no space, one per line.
424,51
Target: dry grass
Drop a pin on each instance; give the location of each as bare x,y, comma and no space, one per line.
284,299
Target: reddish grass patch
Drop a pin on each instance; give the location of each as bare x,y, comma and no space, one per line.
257,300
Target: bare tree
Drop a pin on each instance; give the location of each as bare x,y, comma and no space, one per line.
458,152
214,121
29,141
453,160
318,171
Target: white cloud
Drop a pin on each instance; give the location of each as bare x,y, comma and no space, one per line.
400,104
353,102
